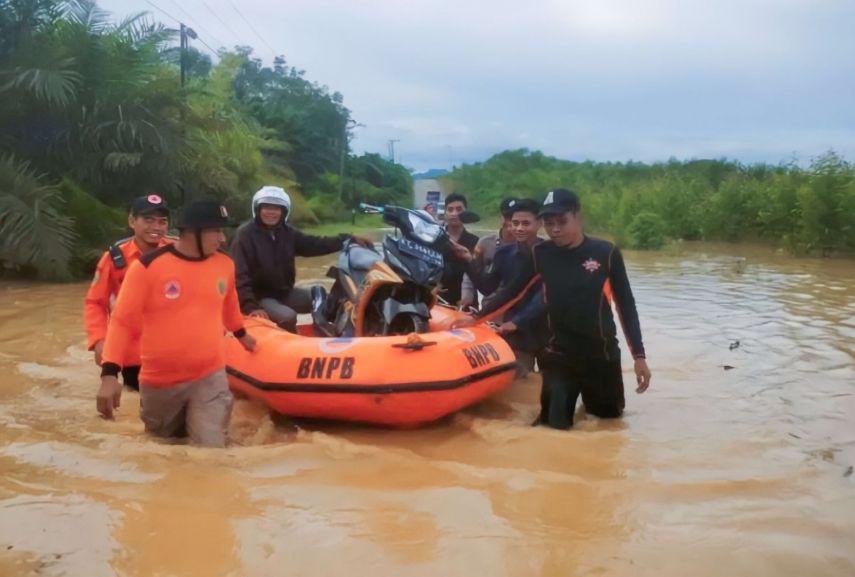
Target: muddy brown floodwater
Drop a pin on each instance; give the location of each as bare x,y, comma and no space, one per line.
745,471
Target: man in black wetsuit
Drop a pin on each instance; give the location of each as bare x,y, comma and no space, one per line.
580,276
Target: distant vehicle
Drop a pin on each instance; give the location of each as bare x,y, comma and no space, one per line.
434,197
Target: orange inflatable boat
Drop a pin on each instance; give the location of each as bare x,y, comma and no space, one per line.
400,381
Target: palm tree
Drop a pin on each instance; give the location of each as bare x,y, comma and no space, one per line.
33,231
81,96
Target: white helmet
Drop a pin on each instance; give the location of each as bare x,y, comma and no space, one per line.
272,195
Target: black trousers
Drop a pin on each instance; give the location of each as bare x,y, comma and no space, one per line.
131,377
599,381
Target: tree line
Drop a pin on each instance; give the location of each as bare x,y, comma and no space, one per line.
93,113
806,210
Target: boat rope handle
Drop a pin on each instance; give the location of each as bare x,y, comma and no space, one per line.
510,304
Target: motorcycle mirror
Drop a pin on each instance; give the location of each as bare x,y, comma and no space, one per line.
469,217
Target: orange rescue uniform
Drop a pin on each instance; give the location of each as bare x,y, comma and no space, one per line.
104,288
177,307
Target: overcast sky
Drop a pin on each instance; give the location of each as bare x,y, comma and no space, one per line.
459,80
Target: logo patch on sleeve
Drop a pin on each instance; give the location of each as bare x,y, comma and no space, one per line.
172,290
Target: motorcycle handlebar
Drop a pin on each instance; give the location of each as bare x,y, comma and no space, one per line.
364,207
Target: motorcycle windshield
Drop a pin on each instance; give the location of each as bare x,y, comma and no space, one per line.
423,229
415,224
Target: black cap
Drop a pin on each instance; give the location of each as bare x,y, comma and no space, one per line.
149,204
525,205
559,201
507,206
204,214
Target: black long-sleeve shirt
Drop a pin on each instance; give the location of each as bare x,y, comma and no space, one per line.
510,261
578,286
484,266
452,276
265,260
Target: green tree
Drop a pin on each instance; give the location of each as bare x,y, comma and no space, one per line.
34,232
827,205
717,199
646,231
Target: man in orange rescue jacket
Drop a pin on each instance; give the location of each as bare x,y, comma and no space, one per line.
177,301
149,219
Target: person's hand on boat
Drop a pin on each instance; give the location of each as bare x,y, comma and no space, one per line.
98,349
362,240
507,327
642,375
260,314
109,396
460,251
465,303
248,342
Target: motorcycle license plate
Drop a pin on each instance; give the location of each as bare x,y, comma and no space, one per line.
420,251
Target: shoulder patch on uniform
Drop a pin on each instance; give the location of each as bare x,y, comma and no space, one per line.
149,257
172,290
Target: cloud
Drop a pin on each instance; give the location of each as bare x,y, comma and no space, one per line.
600,79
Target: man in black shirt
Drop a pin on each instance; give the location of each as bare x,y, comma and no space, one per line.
455,269
525,332
264,252
483,256
580,276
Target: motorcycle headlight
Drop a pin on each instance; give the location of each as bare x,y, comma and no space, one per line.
423,230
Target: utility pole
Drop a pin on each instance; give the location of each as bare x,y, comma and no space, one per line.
392,142
186,32
343,154
349,123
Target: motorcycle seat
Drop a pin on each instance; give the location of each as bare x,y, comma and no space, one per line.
361,258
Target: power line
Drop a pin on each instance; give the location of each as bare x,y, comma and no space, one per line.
223,22
214,52
197,26
251,27
162,10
